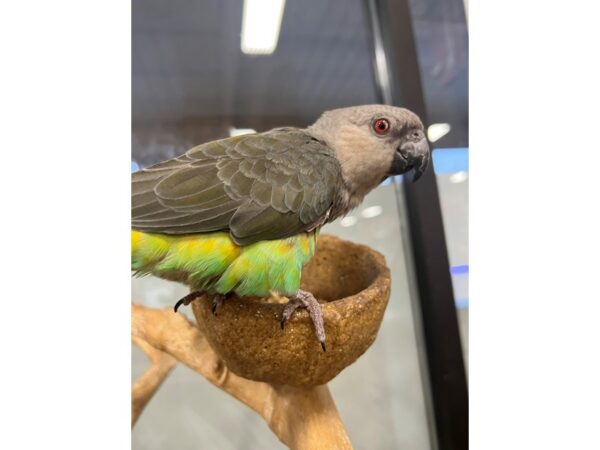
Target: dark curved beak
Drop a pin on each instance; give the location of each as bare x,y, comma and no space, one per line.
411,158
421,162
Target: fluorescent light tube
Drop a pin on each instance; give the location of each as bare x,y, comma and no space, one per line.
371,211
261,23
437,131
239,131
348,221
459,177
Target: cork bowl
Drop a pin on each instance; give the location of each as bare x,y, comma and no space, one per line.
352,283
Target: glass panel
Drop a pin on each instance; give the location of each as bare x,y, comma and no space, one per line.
192,84
442,45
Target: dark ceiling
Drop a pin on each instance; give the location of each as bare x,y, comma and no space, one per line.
187,61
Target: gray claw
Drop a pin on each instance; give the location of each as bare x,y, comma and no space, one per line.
306,300
217,303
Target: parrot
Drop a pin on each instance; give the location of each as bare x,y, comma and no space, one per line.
241,215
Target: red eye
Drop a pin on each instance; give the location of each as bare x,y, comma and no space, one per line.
381,126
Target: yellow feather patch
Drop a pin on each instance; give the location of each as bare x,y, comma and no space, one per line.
214,263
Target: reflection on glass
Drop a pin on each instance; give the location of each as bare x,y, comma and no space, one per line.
442,44
192,83
452,173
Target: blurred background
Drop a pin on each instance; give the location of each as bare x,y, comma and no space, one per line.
204,70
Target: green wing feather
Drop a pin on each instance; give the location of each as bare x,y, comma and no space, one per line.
262,186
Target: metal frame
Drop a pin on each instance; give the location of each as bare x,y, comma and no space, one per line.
398,81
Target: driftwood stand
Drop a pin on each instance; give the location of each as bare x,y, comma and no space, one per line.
303,418
354,283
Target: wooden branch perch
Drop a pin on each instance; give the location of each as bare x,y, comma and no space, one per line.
302,418
146,386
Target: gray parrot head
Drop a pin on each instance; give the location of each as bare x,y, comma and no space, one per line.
373,142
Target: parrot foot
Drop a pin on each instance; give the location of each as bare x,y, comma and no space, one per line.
217,301
187,299
306,300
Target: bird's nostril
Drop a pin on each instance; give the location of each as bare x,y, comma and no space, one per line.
417,135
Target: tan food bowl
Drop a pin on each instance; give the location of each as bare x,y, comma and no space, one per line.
352,283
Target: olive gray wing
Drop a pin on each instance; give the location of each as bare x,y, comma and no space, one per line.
258,187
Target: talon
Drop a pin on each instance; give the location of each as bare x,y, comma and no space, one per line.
282,323
217,303
178,304
187,299
306,300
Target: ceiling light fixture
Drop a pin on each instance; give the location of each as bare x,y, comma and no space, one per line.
348,221
371,211
239,131
437,131
261,22
458,177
